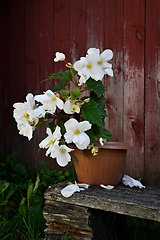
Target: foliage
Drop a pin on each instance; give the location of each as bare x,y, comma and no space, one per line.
75,107
21,198
142,229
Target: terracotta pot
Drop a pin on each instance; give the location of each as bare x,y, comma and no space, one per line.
105,168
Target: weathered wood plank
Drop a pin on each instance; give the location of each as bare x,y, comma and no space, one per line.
134,38
77,29
114,39
142,203
63,217
152,93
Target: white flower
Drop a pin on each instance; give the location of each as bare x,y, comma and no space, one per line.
82,80
71,107
106,56
51,141
25,129
30,100
75,132
59,57
61,153
88,67
50,101
25,117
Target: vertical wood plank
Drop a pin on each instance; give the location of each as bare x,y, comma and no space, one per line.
134,84
32,45
77,30
95,24
13,71
113,31
61,30
46,53
152,93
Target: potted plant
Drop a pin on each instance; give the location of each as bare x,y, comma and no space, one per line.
75,111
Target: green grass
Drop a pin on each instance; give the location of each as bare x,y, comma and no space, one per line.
22,201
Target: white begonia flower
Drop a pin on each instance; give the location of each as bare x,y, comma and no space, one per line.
75,132
104,57
51,141
27,116
50,101
24,110
88,67
59,57
61,153
38,111
30,100
25,129
71,107
82,80
28,111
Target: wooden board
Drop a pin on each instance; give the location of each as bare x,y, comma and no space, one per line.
142,203
34,30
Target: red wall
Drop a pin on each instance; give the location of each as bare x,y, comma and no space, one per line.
33,30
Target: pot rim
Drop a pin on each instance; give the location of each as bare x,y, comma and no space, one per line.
115,145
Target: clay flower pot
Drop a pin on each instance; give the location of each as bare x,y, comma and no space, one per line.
106,167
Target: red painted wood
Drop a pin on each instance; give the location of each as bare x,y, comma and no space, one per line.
13,71
46,42
134,37
61,30
95,24
34,30
152,93
114,36
77,30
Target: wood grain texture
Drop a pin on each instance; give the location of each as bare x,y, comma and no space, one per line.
34,30
134,37
142,203
152,93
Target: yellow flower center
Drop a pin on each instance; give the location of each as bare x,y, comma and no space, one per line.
51,142
63,150
77,132
100,62
89,65
26,115
54,98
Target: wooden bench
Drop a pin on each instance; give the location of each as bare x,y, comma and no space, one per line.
84,213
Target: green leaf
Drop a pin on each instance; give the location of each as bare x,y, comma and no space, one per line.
61,75
10,193
65,94
3,186
75,93
36,183
101,101
22,208
91,112
97,132
59,85
96,86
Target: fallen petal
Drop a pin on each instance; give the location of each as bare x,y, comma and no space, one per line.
129,181
108,187
83,185
69,190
